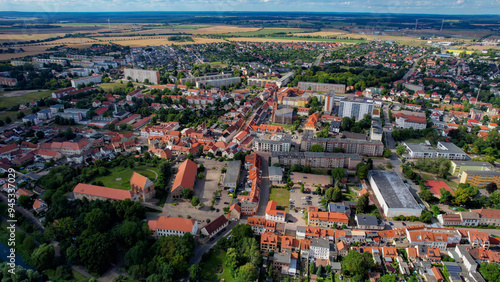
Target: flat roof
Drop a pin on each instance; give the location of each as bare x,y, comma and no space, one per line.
482,172
472,163
395,193
273,170
233,172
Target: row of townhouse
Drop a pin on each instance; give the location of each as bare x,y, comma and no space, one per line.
473,218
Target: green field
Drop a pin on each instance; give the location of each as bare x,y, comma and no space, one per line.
281,196
267,31
185,26
112,85
319,39
124,174
7,102
210,266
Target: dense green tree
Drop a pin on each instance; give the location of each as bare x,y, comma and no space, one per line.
96,252
388,278
195,201
338,173
247,272
490,271
317,148
362,205
43,257
194,273
186,193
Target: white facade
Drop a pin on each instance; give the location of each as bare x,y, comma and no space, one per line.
84,80
167,232
320,249
355,109
140,75
393,195
404,122
276,217
329,102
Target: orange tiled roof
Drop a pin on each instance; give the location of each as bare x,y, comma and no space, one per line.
100,191
186,175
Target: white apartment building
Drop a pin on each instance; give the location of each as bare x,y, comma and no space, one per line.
320,248
355,109
166,226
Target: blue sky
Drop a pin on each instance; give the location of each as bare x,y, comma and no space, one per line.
375,6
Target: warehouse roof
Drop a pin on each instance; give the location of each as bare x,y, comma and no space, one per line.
393,190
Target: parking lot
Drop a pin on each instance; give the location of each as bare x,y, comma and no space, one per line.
310,179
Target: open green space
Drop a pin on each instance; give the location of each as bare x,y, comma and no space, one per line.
281,196
185,26
6,101
112,85
210,266
416,140
426,176
285,126
124,175
267,31
79,277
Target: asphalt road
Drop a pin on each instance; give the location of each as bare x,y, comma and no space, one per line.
201,249
24,212
265,185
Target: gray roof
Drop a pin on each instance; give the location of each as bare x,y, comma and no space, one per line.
450,148
284,112
282,257
273,170
233,171
309,136
393,190
336,265
333,207
472,163
482,172
366,219
300,155
320,242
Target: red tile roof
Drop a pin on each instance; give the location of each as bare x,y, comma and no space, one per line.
185,175
139,180
172,223
105,192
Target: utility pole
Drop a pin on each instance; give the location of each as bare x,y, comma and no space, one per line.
109,24
442,23
416,23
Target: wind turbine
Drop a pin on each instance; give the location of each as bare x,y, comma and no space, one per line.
442,23
109,24
416,23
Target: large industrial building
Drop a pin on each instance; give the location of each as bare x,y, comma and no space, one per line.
141,75
321,87
392,194
355,109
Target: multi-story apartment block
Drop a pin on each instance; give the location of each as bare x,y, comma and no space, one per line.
480,178
443,150
84,80
350,146
141,75
488,216
458,167
273,143
272,213
321,87
441,238
268,242
407,121
261,225
315,159
355,109
319,249
261,82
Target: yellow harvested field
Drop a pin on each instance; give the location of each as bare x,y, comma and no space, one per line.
153,40
219,29
6,37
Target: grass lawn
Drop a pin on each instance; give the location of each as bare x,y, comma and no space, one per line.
281,196
285,126
112,85
453,185
426,176
418,141
210,266
125,174
79,277
8,102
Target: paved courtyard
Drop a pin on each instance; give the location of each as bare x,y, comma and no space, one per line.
204,189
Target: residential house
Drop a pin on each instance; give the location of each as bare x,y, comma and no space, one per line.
166,226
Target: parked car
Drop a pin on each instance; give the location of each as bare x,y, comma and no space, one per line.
226,203
404,224
390,223
217,210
